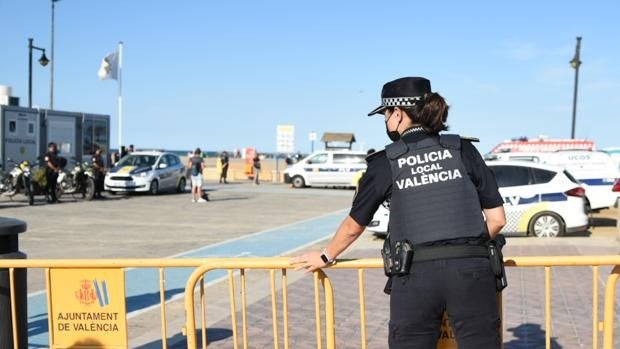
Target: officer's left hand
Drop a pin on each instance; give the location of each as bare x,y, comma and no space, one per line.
310,262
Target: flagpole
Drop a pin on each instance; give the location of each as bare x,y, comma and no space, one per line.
120,95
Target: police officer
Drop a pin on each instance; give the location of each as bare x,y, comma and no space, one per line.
52,168
98,172
438,258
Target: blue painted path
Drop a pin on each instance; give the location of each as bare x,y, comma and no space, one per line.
142,285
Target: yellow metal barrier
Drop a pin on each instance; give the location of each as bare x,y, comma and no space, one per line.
48,265
360,265
321,283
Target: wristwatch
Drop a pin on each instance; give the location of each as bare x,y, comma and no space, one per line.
326,258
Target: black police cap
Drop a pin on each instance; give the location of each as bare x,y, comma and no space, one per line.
403,92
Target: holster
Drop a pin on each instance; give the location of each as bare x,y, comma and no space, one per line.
397,257
496,259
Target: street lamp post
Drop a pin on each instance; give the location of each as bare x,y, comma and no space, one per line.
43,61
575,63
53,60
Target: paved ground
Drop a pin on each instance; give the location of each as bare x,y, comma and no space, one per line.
143,226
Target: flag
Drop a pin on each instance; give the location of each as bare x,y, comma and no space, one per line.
109,67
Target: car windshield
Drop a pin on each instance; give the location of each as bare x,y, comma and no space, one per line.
138,161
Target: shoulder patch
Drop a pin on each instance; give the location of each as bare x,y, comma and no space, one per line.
470,139
396,149
450,141
371,157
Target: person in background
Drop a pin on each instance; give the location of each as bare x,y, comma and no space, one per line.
98,172
195,165
52,168
123,152
131,149
224,171
256,168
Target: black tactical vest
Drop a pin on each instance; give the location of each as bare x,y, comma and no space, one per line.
433,197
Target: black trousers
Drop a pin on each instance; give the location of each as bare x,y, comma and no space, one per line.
463,287
51,178
98,178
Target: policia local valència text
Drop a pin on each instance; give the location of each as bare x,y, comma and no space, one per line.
421,166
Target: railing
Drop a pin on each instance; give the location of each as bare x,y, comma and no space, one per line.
159,264
324,317
241,265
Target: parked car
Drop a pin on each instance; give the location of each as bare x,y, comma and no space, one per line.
596,170
379,223
539,200
147,171
326,168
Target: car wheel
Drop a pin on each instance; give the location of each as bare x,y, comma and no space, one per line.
547,225
154,190
181,186
298,182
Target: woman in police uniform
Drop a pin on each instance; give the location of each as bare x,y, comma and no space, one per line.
439,187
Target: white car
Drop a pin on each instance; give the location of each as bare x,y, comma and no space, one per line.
380,220
540,200
595,170
326,168
146,171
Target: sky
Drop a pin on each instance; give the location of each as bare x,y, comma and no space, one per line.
223,74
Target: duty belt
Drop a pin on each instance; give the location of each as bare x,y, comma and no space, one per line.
432,253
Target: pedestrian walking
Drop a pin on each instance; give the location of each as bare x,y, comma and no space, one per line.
441,253
196,165
256,168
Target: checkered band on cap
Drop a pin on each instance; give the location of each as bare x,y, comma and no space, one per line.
399,101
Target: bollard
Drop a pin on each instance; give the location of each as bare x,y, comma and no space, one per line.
9,249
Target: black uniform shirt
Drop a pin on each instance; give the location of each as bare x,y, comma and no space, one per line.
376,184
50,157
97,162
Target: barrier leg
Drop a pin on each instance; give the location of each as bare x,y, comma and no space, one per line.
21,305
608,317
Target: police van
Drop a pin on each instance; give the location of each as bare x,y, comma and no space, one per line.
596,170
327,168
539,200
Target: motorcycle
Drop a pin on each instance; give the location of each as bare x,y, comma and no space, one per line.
5,184
80,180
28,180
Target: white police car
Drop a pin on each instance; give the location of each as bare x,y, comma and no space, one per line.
146,171
595,170
540,200
326,168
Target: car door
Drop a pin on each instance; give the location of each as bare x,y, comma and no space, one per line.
163,172
177,170
515,187
316,169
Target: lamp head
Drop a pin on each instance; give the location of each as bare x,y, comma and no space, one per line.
43,60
